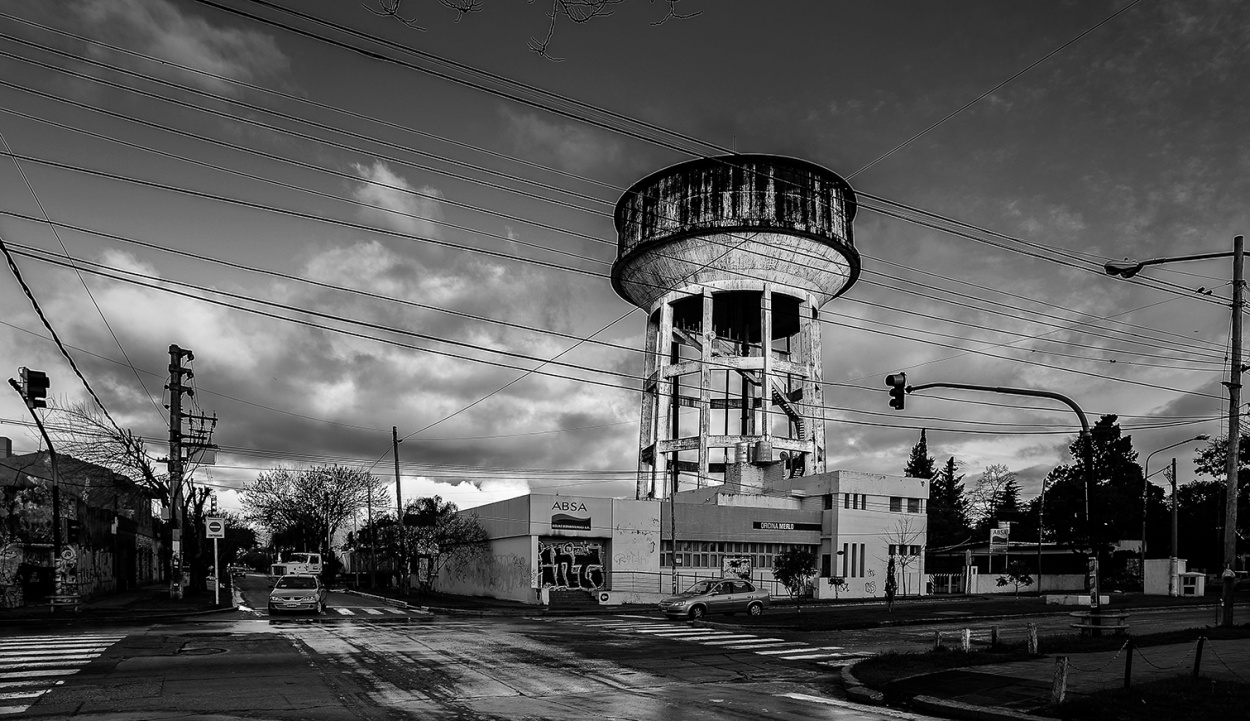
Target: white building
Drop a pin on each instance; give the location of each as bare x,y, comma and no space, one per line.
622,550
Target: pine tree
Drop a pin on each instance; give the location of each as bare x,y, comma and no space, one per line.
948,508
920,465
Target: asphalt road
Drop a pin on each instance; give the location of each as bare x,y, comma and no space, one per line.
442,668
375,664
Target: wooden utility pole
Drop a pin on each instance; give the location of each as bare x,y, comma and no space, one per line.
1229,575
175,465
401,568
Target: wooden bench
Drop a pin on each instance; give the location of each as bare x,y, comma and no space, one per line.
1089,621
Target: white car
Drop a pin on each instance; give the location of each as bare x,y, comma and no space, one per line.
298,592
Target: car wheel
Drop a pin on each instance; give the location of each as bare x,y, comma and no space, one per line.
321,608
755,609
696,613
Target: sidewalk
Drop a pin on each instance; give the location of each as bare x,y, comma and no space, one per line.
144,603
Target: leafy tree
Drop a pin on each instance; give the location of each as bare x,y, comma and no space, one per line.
948,508
1016,574
1114,501
920,464
439,536
1212,461
1200,518
794,568
891,584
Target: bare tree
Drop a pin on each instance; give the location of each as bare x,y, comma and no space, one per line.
904,541
85,433
996,489
573,11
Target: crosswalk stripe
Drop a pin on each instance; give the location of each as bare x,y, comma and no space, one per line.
345,612
41,652
800,649
25,683
372,611
6,660
36,673
27,640
708,637
738,639
754,646
668,632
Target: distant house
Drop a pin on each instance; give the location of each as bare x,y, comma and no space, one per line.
108,534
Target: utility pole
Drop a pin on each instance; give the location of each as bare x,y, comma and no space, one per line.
1173,563
1130,268
372,545
175,465
401,567
1229,576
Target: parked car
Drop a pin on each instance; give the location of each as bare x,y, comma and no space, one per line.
721,595
298,592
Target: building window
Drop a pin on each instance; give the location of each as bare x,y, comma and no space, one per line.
826,565
896,504
915,550
846,555
827,501
846,500
892,547
913,505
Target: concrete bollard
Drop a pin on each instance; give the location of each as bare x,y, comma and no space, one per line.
965,641
1032,629
1059,688
937,640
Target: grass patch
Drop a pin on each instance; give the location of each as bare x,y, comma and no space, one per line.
1183,698
880,670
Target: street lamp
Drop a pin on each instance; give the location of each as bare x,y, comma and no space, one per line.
1129,268
1145,486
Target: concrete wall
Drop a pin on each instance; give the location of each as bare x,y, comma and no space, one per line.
509,573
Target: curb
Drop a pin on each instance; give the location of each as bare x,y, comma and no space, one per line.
856,690
958,710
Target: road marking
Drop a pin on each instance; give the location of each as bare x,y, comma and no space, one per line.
774,652
372,611
751,646
672,632
53,652
743,638
345,612
29,666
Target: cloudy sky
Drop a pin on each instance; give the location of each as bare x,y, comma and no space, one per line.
357,223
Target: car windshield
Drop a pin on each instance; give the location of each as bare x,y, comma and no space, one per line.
296,582
700,588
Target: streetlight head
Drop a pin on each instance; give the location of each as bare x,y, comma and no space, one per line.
1123,268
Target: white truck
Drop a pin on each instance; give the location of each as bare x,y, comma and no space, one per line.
301,563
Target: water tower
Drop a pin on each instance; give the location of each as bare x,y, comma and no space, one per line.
732,258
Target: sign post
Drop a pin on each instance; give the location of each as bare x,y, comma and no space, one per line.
215,529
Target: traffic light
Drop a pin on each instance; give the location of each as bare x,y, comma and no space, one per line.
34,388
213,504
71,531
898,389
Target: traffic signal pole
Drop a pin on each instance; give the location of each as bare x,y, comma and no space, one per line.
1087,459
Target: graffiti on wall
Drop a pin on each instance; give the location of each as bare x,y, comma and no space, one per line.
565,564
